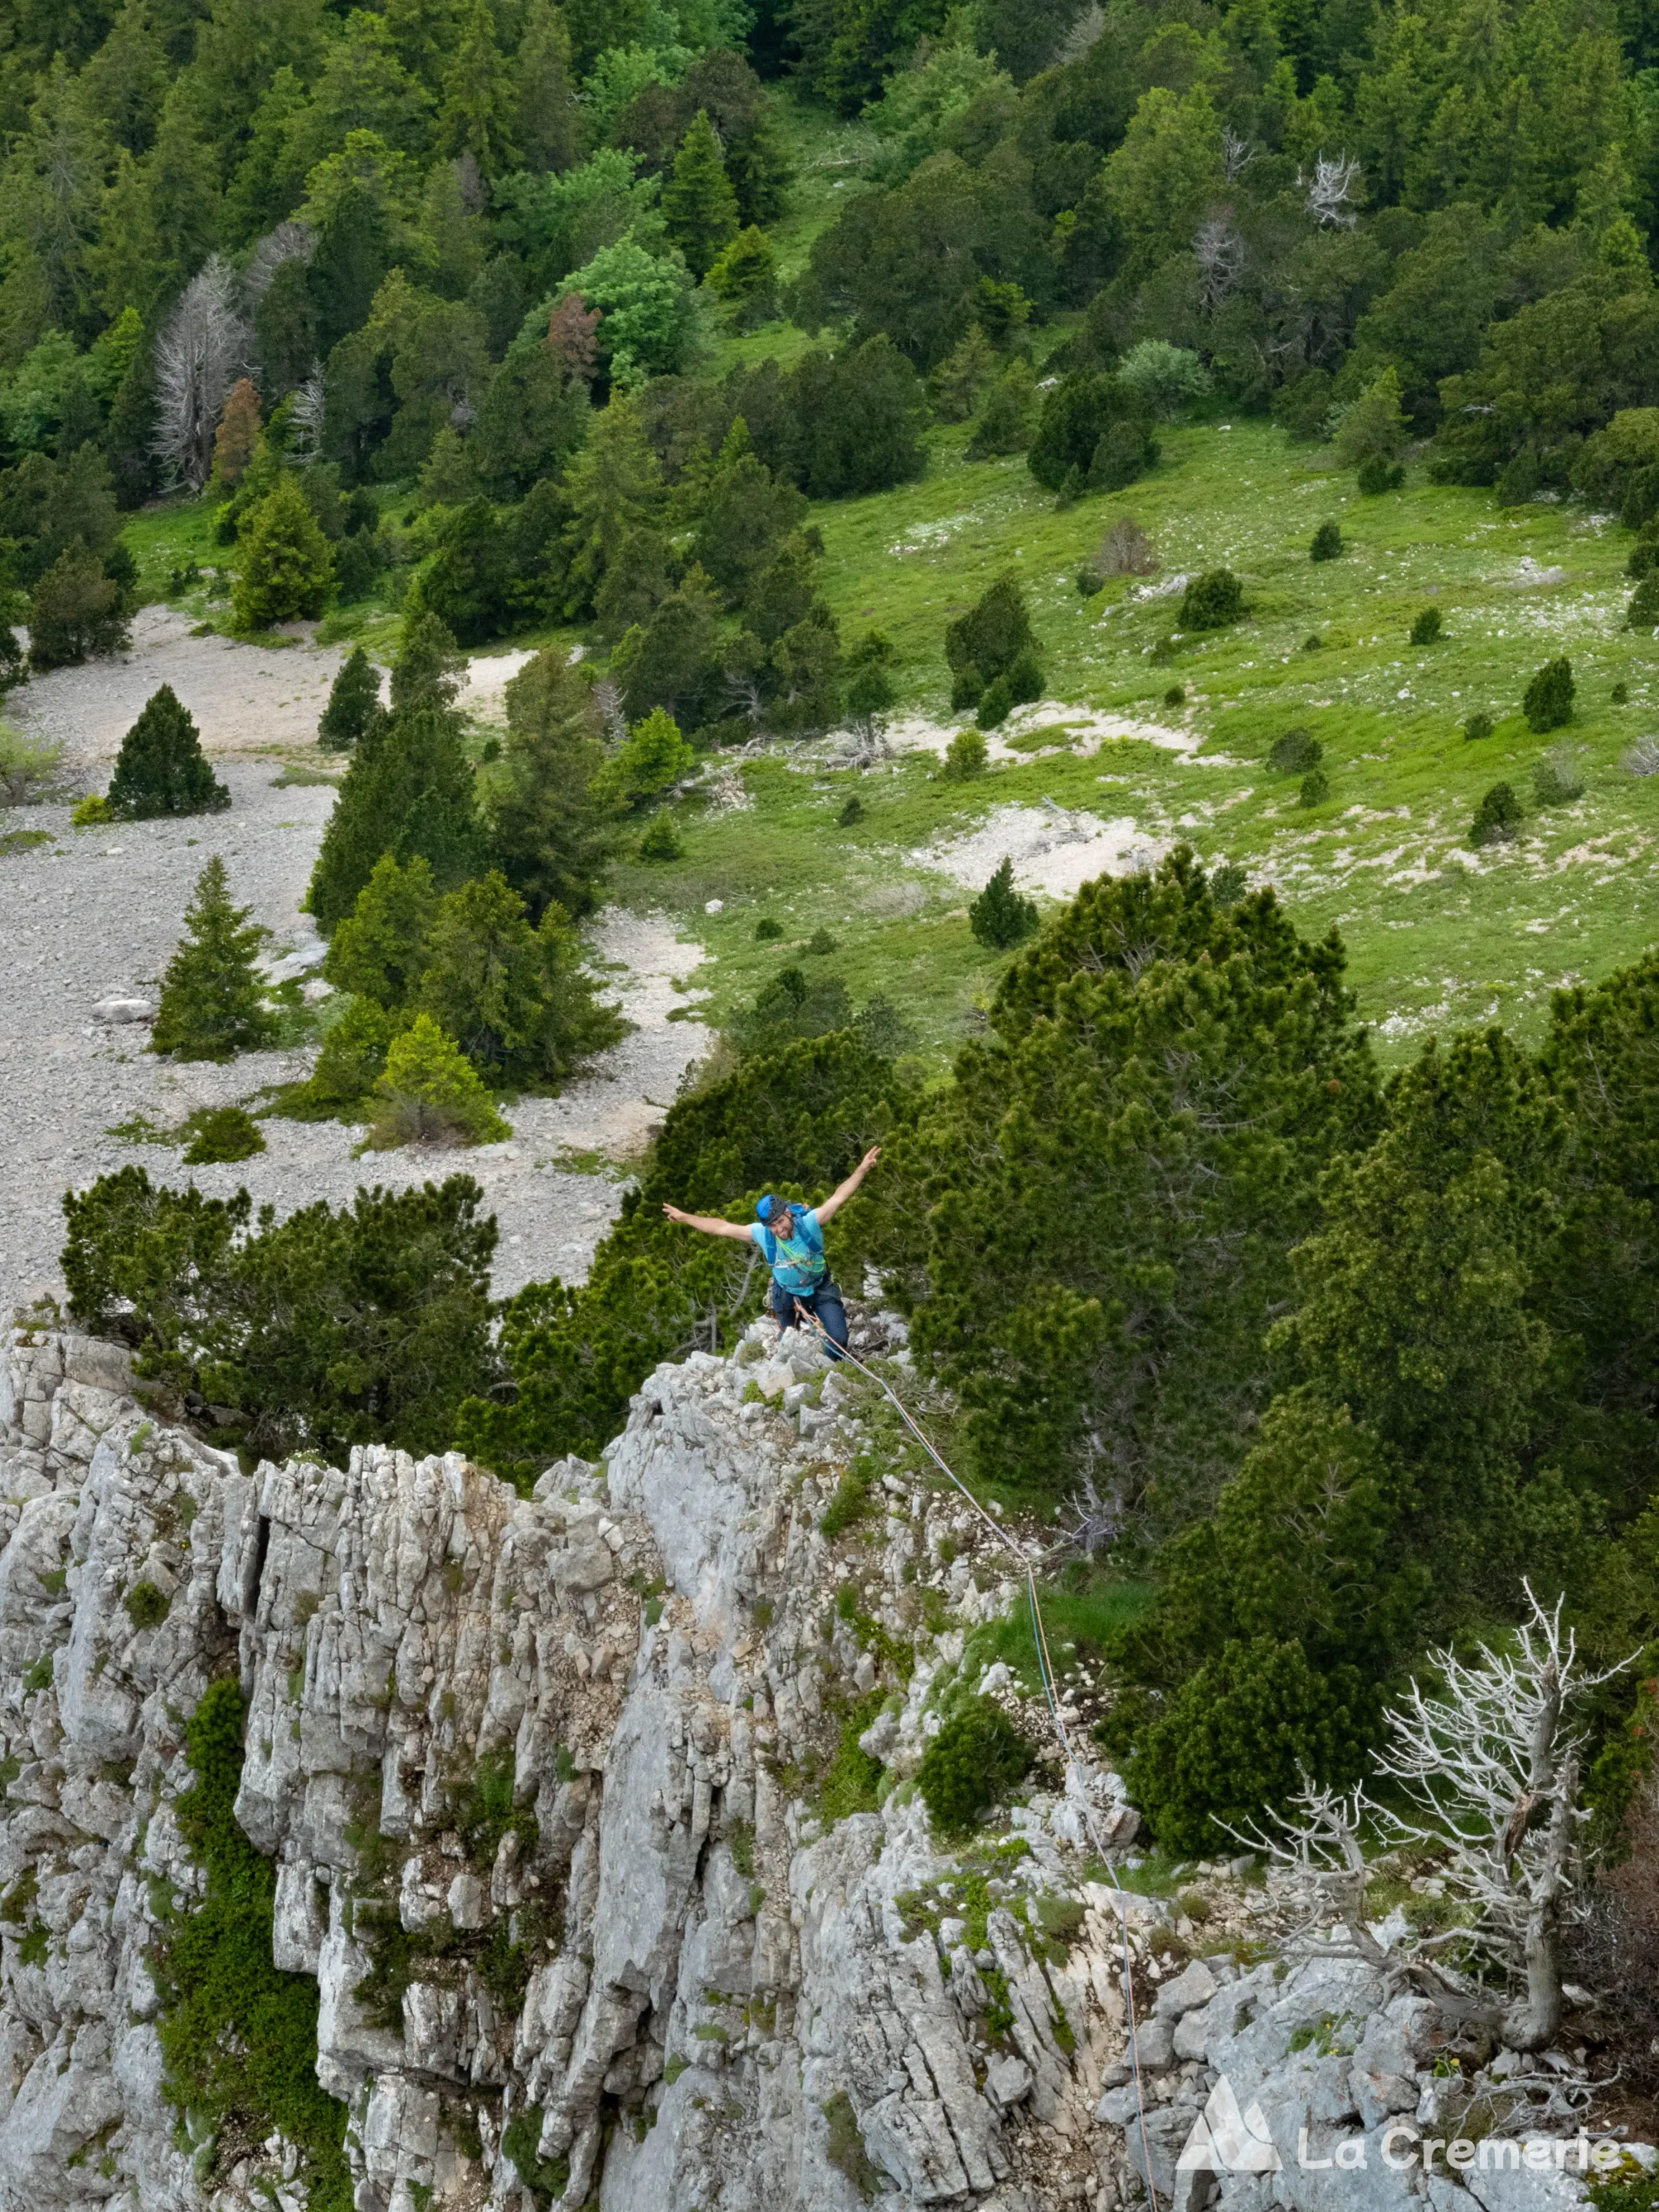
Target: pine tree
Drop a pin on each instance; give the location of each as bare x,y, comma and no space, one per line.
479,97
430,667
999,917
546,832
161,768
986,642
662,840
212,997
75,612
1497,818
614,486
409,792
654,756
1547,702
237,435
378,952
286,567
698,200
130,436
552,125
354,704
432,1094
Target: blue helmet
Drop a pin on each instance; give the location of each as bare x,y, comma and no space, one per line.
766,1206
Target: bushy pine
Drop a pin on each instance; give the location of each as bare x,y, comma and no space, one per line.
1327,542
1428,627
161,768
1295,753
286,567
653,758
1212,601
999,917
212,1003
698,201
977,1756
662,840
378,951
545,828
354,704
410,794
76,612
965,756
1498,817
1547,701
988,642
350,1062
430,1093
320,1331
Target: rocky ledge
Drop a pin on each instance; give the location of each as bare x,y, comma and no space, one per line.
655,1972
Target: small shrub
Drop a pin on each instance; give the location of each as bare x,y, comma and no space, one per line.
77,612
1619,694
1547,701
91,812
1314,644
996,704
977,1756
354,704
1643,612
844,2147
147,1607
28,767
967,688
1497,818
1228,883
1327,542
965,756
1175,695
821,942
1315,789
433,1094
999,917
1024,680
767,931
1558,778
1642,758
882,1029
852,813
1126,551
1089,581
1296,753
662,841
544,2179
1426,629
1480,724
222,1133
1377,475
1212,601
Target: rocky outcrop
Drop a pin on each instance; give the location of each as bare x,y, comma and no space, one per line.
549,1786
712,1996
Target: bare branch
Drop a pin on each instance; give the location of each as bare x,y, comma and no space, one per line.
203,348
1329,190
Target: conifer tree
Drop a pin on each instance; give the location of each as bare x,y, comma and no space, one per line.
654,756
476,114
75,612
551,125
514,997
1547,702
130,435
354,704
546,832
286,567
161,768
379,951
985,643
212,996
432,1094
430,667
410,792
999,917
699,202
615,486
237,435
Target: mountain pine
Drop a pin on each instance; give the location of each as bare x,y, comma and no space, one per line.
432,1094
161,768
212,995
409,792
999,917
546,832
286,567
699,202
354,703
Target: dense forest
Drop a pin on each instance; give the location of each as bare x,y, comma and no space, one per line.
433,293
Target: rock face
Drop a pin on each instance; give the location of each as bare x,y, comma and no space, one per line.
665,1979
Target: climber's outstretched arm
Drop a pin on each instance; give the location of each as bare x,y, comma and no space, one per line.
708,1224
842,1192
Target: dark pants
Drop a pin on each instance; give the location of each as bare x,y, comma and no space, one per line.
825,1303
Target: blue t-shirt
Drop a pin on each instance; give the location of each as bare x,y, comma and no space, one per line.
797,1262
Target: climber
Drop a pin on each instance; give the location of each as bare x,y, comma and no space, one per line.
792,1237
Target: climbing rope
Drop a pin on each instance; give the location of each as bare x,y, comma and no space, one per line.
1045,1669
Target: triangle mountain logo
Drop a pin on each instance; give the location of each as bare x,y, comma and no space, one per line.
1223,2139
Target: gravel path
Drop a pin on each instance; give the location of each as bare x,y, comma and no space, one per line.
96,915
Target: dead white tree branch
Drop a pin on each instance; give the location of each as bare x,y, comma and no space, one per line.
203,349
1330,189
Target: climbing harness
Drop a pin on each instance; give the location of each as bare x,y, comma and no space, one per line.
1045,1669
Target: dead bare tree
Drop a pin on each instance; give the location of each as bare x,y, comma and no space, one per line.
305,416
1329,189
1492,1767
203,348
289,241
1236,153
1219,252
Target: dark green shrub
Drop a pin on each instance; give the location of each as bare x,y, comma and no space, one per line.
767,930
1314,644
238,2038
852,813
1480,724
1296,753
161,768
1643,612
1497,818
1088,582
1212,601
1558,778
1228,885
1327,542
147,1607
1175,695
820,942
222,1133
999,917
1024,680
996,704
1377,475
976,1759
212,1003
78,612
1547,701
354,703
1428,627
967,687
662,841
844,2148
544,2178
1619,694
989,639
322,1331
1094,435
1315,789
